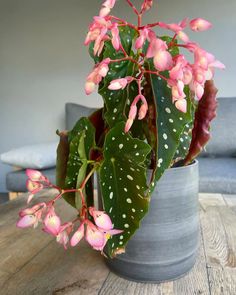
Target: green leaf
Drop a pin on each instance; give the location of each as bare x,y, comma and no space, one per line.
81,141
63,151
96,58
185,140
123,184
116,101
170,123
174,50
127,35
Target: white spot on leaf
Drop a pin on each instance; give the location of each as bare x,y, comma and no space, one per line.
111,195
168,110
165,136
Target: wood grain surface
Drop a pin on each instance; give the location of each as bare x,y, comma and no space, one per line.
31,262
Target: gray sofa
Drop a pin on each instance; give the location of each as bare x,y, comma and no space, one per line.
217,165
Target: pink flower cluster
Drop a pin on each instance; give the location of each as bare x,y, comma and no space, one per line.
35,183
180,71
95,77
96,234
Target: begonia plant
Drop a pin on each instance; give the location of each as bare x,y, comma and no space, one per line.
157,110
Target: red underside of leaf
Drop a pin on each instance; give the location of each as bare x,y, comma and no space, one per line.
205,113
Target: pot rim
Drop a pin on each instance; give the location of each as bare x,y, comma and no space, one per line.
192,164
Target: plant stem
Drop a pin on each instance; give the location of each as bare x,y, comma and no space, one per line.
124,22
123,50
156,73
87,177
139,20
130,59
148,26
133,7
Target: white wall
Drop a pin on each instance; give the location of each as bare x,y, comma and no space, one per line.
43,63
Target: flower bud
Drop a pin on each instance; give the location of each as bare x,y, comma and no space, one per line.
128,125
142,111
77,236
89,87
200,24
181,105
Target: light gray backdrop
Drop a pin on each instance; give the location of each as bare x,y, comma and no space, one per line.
43,63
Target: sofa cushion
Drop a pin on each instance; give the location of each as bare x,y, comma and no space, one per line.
74,112
217,175
16,180
37,156
223,141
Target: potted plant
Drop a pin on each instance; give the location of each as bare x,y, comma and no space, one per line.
156,118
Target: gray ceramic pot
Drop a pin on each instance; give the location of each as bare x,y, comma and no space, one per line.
165,246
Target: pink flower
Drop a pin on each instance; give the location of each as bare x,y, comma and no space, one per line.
103,67
128,125
33,187
198,89
143,35
95,237
99,42
98,33
132,112
52,223
155,46
200,24
63,235
142,111
31,216
95,77
163,60
101,219
187,75
173,27
147,4
177,72
177,28
178,91
89,87
181,105
78,235
26,221
183,36
120,83
115,40
35,175
106,7
32,210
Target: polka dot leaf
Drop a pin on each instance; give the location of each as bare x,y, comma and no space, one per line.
184,143
123,184
170,123
81,140
116,100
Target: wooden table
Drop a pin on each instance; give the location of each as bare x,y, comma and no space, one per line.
31,262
